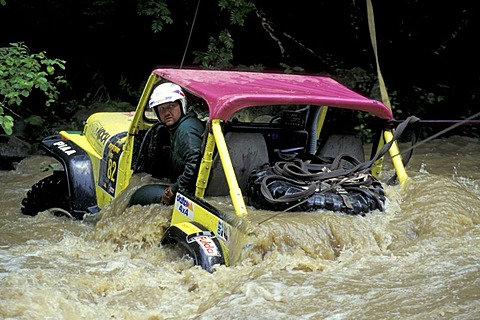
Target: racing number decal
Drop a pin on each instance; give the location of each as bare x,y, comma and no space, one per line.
112,170
107,176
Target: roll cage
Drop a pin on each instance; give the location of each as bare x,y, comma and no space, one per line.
226,93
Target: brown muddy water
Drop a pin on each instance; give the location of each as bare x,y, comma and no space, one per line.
418,260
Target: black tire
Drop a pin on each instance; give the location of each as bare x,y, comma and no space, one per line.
196,249
147,194
50,192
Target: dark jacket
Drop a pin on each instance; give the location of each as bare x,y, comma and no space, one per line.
186,142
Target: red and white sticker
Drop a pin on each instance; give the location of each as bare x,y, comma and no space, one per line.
208,246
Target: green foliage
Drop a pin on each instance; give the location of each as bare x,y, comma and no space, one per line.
156,9
35,120
219,53
20,74
289,69
238,9
363,128
433,98
6,122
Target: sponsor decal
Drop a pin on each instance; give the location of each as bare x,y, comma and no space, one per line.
65,148
184,206
107,176
102,134
223,231
207,245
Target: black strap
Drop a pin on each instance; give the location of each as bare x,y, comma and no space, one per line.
308,177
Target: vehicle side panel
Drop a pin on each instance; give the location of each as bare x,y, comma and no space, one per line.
186,210
78,169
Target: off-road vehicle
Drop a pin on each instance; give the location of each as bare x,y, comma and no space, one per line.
272,141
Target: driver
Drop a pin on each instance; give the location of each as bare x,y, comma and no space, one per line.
169,103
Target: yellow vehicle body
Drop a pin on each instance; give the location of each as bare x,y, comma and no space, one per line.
106,152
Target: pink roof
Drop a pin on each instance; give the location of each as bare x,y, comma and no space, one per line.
229,91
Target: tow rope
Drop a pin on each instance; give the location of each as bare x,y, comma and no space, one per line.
373,39
341,184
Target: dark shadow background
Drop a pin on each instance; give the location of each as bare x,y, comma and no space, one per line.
428,50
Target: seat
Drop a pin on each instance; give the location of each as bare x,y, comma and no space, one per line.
248,151
337,144
153,155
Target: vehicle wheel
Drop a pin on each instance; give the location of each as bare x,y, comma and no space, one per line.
49,193
203,247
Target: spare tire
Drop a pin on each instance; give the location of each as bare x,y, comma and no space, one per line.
288,195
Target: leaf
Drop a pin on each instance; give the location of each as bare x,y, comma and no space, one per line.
7,124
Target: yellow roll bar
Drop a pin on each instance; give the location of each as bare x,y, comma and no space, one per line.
396,159
205,166
216,138
235,191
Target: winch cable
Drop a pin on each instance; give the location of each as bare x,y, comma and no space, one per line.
436,135
383,90
190,34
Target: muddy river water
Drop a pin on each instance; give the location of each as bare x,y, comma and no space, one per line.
418,260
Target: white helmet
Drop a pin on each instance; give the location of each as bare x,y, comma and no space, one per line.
168,92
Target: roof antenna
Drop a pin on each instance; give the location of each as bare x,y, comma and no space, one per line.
190,35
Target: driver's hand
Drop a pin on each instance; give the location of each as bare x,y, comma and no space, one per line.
167,196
